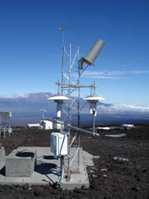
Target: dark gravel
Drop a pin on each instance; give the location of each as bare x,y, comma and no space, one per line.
108,179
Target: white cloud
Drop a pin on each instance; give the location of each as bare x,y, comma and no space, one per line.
114,74
27,95
118,108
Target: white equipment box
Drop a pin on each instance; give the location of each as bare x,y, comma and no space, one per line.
59,143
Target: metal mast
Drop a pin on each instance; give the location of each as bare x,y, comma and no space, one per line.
70,84
61,29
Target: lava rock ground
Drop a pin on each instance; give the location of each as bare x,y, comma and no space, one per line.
109,178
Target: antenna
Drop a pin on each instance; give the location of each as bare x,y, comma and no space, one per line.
43,111
92,54
61,29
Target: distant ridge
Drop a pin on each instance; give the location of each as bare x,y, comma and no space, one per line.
27,108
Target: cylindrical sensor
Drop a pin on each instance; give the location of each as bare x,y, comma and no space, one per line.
94,52
59,114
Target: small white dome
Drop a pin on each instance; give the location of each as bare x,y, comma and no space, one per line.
58,98
94,98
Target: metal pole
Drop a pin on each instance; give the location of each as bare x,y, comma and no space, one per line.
82,130
62,63
61,167
79,75
59,105
43,115
78,82
69,114
94,125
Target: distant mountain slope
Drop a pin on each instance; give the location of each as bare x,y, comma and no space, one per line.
28,109
32,102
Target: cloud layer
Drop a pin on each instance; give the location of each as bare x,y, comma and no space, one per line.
119,108
115,74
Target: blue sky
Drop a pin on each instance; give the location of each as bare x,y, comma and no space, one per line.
30,45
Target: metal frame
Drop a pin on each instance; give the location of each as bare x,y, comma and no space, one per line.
69,85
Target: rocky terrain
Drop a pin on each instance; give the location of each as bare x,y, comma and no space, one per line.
122,171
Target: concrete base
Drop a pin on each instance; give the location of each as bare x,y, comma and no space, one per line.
20,163
79,176
2,156
47,169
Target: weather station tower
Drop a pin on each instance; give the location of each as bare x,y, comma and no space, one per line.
68,102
